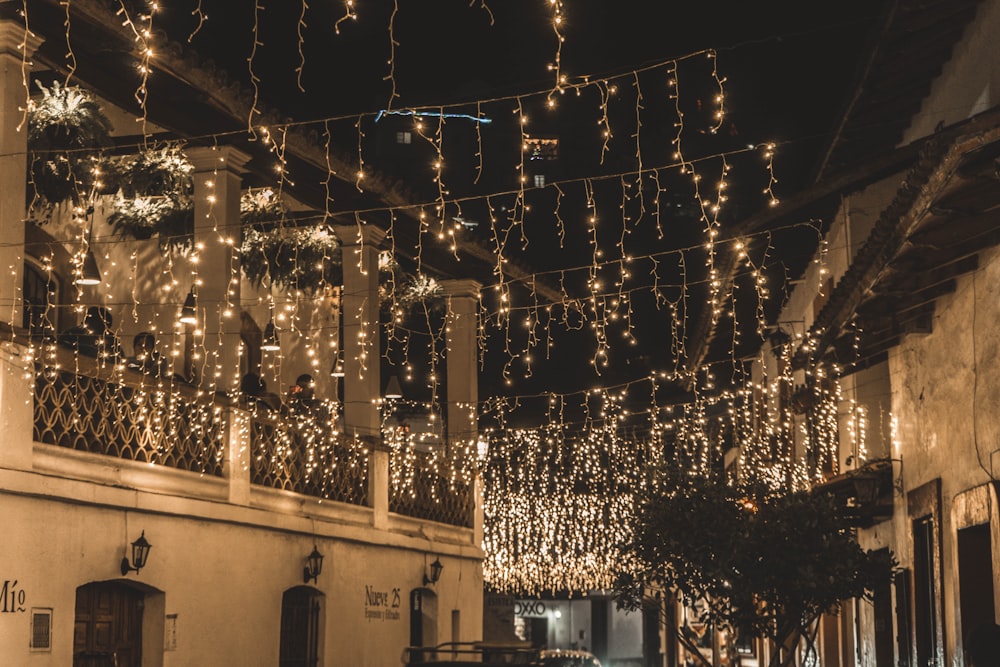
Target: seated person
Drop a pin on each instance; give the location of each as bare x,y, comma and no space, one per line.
302,402
94,338
302,394
255,393
147,360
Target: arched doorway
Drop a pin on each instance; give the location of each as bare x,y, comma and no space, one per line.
108,627
301,628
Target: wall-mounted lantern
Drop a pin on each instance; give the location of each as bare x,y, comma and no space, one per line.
314,565
435,572
140,552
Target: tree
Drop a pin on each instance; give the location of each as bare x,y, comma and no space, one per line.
760,563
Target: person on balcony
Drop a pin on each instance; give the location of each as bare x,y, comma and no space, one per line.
95,337
302,394
147,360
302,404
256,395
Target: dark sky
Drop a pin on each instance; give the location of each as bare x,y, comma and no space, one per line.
788,67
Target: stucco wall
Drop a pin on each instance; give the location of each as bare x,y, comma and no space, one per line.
945,391
969,83
224,581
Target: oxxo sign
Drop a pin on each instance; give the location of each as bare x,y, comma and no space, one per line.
529,608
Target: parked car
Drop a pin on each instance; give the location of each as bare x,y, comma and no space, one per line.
474,654
568,658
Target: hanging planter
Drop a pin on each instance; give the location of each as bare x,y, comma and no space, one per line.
155,197
292,258
66,132
416,291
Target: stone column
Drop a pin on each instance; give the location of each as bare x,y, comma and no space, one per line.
462,352
236,465
360,319
217,181
363,355
15,49
462,358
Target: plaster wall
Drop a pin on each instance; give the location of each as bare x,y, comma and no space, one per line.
969,83
224,581
946,387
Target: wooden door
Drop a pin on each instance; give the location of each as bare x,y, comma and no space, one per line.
300,614
108,629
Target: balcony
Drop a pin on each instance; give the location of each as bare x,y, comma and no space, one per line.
108,412
865,494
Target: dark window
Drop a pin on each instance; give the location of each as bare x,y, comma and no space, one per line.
300,628
541,148
882,603
924,592
40,296
975,577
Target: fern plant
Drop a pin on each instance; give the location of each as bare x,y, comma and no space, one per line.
67,130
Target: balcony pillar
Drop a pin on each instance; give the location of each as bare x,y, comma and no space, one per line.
362,355
16,407
217,183
16,47
461,331
236,465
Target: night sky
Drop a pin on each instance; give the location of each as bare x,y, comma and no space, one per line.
788,67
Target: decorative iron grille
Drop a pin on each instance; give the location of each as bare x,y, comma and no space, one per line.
301,452
146,422
430,484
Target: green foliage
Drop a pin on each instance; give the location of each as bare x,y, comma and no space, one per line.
293,258
408,292
765,564
66,132
155,196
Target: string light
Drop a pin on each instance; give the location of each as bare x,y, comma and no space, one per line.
601,457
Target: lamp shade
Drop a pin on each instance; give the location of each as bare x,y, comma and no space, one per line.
188,313
392,388
89,273
269,343
337,369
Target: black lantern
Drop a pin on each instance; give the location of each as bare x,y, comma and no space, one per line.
269,343
314,565
140,552
89,273
188,314
435,574
392,388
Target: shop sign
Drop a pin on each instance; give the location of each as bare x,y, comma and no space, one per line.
381,605
529,608
12,598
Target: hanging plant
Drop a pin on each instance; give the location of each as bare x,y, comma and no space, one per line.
155,197
403,292
420,289
66,132
292,258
